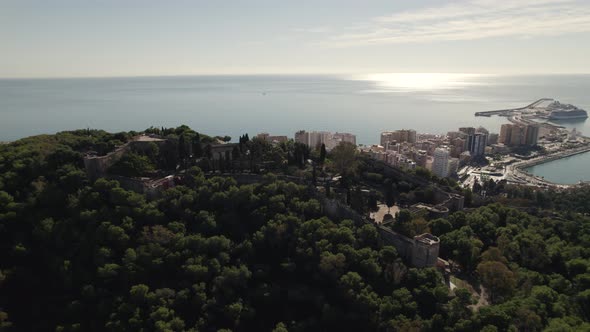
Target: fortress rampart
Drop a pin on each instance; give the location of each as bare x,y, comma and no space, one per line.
97,166
420,251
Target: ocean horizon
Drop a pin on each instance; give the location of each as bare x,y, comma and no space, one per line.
232,105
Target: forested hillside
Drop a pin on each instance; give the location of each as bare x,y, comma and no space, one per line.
211,255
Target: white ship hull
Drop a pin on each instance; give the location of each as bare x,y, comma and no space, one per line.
567,117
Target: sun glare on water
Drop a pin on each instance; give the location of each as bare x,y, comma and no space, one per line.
420,81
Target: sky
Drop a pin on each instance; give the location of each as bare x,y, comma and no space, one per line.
87,38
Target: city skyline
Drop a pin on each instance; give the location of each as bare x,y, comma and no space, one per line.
72,39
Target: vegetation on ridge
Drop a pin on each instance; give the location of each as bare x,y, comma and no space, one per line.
210,254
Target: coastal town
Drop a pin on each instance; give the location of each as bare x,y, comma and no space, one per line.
533,136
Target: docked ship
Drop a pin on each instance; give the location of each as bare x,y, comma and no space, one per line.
561,111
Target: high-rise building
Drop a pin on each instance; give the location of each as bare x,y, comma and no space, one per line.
315,139
493,138
272,139
409,135
421,157
476,144
459,143
532,134
451,135
440,163
302,137
398,136
505,134
518,135
482,130
344,137
387,138
467,130
452,166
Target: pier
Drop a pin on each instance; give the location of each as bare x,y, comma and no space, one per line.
506,112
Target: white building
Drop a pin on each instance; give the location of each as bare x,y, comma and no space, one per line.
452,166
344,137
440,165
315,139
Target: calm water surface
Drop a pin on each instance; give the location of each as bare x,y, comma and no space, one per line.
233,105
568,170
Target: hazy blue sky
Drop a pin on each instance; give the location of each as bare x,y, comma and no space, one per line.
115,38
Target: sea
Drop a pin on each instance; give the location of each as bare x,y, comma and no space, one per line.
364,105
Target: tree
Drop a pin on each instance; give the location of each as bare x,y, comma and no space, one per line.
132,165
182,147
440,226
197,148
403,223
215,254
357,201
322,154
468,194
372,202
344,159
389,195
497,278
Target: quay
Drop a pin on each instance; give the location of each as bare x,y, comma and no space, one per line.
518,174
506,112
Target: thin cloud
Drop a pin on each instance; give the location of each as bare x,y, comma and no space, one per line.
319,29
471,20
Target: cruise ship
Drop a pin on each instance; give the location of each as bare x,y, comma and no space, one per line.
561,111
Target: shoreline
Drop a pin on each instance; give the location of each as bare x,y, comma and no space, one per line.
519,171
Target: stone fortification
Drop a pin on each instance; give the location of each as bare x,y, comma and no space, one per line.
420,251
97,166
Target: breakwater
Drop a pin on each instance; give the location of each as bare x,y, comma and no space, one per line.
506,112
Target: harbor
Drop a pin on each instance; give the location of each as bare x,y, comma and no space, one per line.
556,142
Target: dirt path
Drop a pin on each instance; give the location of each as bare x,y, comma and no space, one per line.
482,301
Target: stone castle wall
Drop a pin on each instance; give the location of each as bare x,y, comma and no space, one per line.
97,166
421,251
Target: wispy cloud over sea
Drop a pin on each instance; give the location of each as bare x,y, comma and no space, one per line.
469,20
